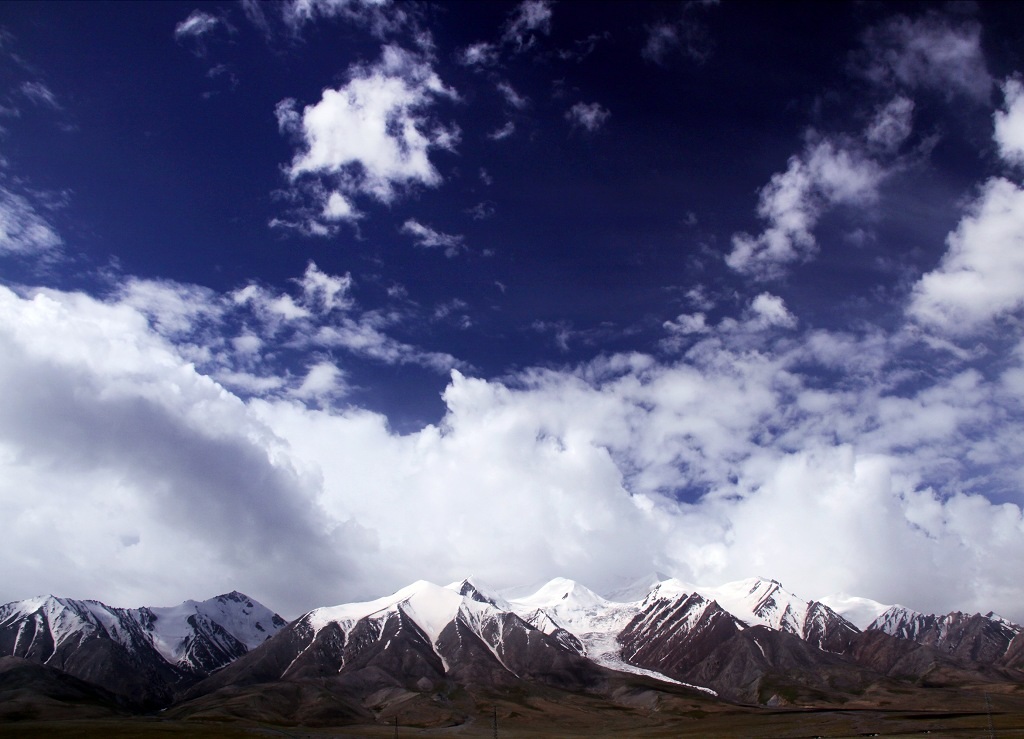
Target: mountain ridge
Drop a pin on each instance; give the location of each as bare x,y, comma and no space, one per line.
749,641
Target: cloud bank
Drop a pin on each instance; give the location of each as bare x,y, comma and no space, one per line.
727,460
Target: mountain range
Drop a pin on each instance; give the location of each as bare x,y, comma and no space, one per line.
435,655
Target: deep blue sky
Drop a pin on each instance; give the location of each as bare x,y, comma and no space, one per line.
756,203
171,172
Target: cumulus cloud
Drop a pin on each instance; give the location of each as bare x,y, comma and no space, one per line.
933,51
174,308
370,137
122,440
1009,123
530,19
480,54
323,382
429,238
588,116
723,462
688,323
770,310
792,202
339,208
251,338
891,124
981,275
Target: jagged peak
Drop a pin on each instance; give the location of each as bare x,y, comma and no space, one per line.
472,588
234,595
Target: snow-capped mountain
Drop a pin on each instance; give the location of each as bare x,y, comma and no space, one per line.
420,638
202,636
143,653
583,621
750,640
974,637
764,602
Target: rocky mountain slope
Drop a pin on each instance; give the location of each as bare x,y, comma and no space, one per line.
444,649
143,654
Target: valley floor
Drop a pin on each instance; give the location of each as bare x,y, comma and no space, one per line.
791,723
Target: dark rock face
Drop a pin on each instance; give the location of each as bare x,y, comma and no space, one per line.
826,629
695,641
29,690
974,638
113,653
1014,655
672,636
114,648
436,647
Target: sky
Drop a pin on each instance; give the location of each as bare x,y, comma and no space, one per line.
313,299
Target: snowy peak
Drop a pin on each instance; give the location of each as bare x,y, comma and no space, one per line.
46,623
195,636
564,593
474,590
203,635
975,637
901,622
760,601
430,606
568,605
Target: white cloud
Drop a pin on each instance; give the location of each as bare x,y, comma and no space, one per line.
429,238
197,25
323,382
530,18
23,230
40,94
688,323
892,123
793,201
512,97
981,275
589,116
1009,123
502,133
118,436
932,51
481,54
381,17
247,344
271,309
365,338
662,38
482,210
723,463
687,35
338,208
372,136
324,292
173,307
770,310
